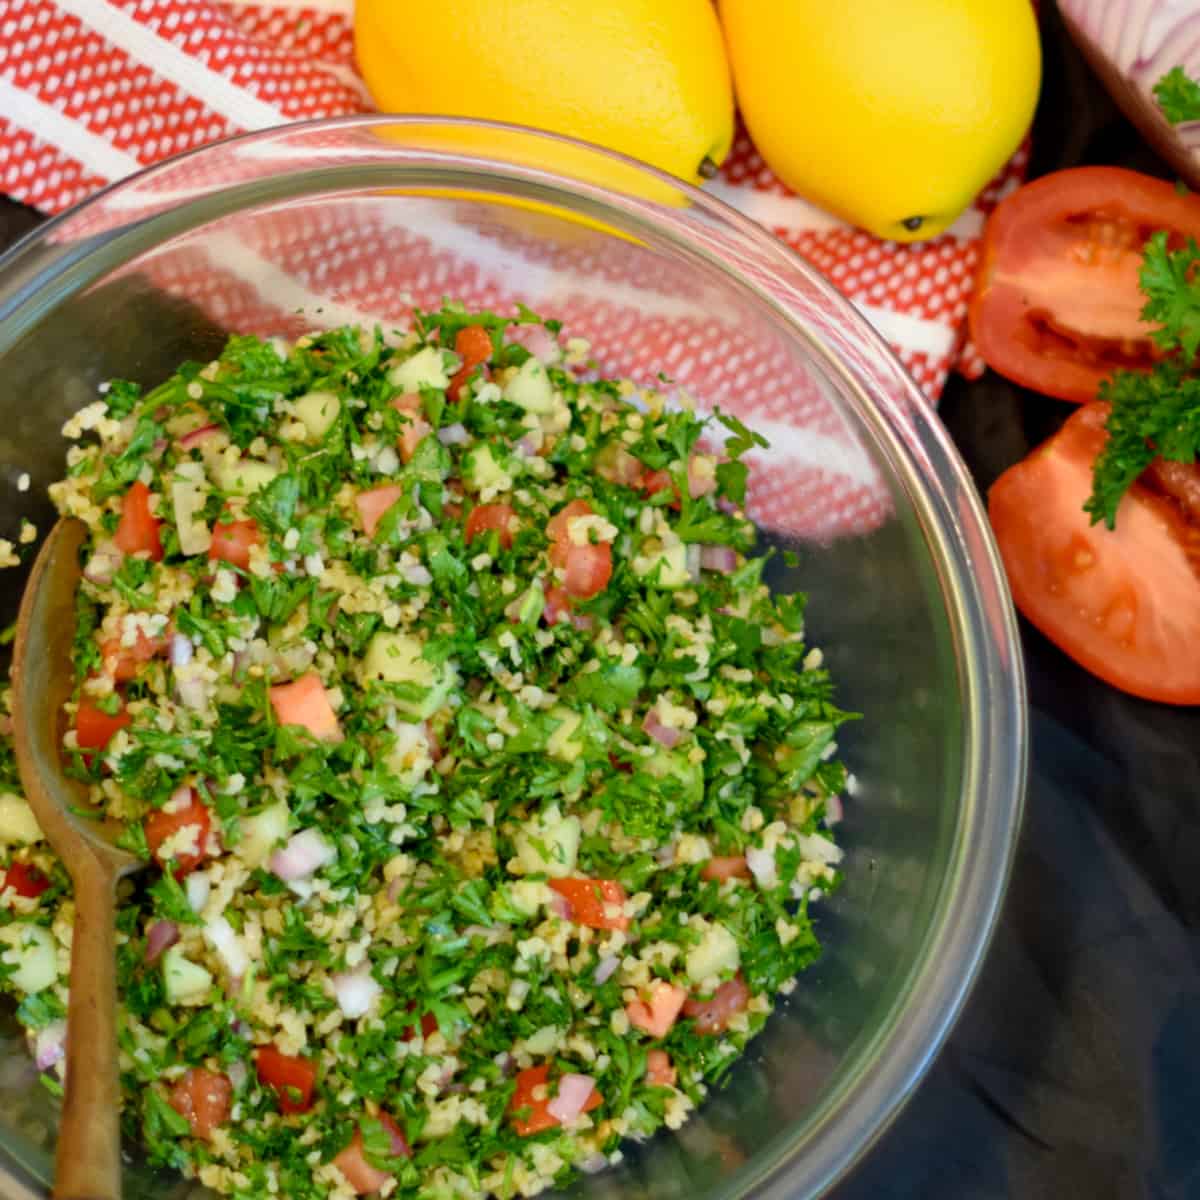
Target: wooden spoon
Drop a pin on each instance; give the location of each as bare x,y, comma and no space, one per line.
88,1161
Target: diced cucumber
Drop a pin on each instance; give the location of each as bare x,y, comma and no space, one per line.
397,658
33,955
482,471
562,743
716,954
548,844
670,560
530,387
426,368
186,982
18,825
188,497
317,412
262,834
242,476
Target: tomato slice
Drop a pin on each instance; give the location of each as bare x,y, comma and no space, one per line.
484,518
473,344
122,663
1124,603
530,1101
94,728
137,530
290,1075
352,1161
1057,304
429,1026
232,542
305,702
25,880
163,824
204,1097
714,1014
593,902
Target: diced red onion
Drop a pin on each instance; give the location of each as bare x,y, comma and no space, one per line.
104,563
220,934
692,560
527,447
833,810
417,574
762,866
238,1074
162,936
664,735
573,1093
198,436
537,339
356,991
453,435
605,968
593,1164
197,887
699,485
49,1045
180,799
718,558
305,853
665,854
181,650
559,905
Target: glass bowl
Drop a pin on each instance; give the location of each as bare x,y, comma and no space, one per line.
358,219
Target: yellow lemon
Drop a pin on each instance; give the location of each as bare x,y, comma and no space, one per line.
646,77
893,114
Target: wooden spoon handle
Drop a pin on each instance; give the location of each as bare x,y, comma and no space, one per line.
88,1163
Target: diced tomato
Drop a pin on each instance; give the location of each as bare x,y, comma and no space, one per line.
486,517
165,823
204,1097
593,902
374,504
290,1075
558,608
1057,306
473,344
122,663
660,1071
714,1014
137,530
653,482
529,1102
352,1161
94,728
305,702
657,1013
617,465
586,569
1124,603
731,867
232,542
25,880
413,430
429,1026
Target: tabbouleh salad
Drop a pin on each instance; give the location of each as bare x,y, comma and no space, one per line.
484,785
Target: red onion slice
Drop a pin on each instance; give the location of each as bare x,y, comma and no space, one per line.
198,436
49,1045
181,650
723,559
162,936
537,339
104,563
833,810
573,1093
453,435
605,969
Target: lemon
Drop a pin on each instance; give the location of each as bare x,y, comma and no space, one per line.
893,114
645,77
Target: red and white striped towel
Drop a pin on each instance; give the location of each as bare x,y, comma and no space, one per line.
92,90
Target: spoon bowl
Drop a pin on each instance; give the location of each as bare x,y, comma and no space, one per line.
88,1160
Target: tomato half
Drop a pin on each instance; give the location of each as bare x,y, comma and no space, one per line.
714,1014
204,1097
587,568
1057,304
1124,603
290,1075
163,824
25,880
352,1161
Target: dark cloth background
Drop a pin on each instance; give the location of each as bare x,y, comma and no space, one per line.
1075,1069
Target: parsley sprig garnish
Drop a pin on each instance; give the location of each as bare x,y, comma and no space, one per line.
1155,413
1178,96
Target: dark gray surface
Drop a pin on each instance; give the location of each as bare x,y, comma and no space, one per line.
1075,1071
